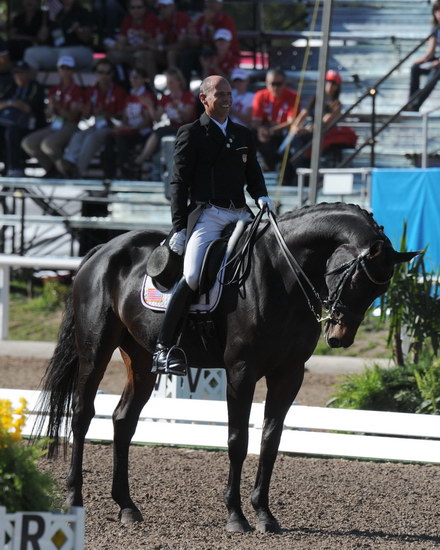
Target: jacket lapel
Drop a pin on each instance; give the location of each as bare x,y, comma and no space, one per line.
212,130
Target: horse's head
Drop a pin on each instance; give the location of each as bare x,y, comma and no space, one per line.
355,278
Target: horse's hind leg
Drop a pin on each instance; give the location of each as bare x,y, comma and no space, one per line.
281,391
92,364
140,384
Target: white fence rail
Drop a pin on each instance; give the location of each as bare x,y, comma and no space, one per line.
308,430
37,262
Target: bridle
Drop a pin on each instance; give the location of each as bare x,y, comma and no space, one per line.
333,304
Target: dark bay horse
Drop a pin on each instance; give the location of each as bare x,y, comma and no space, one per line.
269,328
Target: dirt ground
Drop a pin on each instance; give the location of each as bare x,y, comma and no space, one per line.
322,504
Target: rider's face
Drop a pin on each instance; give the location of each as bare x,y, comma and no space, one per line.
218,100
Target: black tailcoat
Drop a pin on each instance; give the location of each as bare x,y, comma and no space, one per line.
212,167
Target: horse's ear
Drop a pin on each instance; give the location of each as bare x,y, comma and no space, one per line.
400,257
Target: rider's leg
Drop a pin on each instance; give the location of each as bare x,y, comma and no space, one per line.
168,358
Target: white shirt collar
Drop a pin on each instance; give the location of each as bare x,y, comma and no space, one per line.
221,125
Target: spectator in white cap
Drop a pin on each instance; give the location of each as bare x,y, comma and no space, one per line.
223,60
202,39
241,110
65,101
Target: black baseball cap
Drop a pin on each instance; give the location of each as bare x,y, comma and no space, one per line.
20,67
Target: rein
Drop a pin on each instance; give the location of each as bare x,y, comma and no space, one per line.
333,303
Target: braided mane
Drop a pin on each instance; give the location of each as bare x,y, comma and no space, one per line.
336,207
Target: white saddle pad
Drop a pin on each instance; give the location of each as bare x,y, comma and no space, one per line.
153,298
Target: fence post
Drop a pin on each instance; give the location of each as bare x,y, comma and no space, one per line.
4,302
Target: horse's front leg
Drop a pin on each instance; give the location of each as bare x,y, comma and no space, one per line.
137,391
281,391
241,387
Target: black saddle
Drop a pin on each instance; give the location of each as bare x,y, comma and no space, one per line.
213,258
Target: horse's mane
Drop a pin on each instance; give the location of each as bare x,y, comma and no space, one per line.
336,207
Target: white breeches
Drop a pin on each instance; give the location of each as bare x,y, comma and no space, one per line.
208,228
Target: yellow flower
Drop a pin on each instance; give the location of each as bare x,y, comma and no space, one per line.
11,421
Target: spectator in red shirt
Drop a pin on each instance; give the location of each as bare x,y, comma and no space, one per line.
177,105
212,19
103,101
135,45
172,37
273,111
202,38
223,59
65,102
137,121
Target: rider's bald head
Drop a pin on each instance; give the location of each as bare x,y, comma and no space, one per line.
209,83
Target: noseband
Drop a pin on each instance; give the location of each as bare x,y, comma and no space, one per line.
332,304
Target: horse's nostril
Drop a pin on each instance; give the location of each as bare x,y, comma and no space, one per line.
334,342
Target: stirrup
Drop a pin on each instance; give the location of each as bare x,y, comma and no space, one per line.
170,361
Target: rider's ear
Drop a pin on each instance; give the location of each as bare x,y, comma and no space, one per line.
400,257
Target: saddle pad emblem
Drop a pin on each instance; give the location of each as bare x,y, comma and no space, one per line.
152,298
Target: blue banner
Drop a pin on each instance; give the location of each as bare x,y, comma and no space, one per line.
412,196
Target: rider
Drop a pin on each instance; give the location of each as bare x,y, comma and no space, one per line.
214,160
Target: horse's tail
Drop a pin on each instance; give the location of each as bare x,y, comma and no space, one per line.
59,381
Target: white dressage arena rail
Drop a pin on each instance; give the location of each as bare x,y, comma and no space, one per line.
36,262
307,430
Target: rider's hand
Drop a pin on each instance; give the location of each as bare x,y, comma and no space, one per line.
262,201
177,242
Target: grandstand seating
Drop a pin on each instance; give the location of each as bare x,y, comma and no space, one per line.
367,39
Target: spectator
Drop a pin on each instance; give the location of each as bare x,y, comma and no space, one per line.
273,111
6,79
172,34
65,102
429,64
223,59
25,29
178,105
341,136
241,110
135,45
108,14
212,19
71,33
201,39
21,111
103,101
137,122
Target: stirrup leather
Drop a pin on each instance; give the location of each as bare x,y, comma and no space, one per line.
174,362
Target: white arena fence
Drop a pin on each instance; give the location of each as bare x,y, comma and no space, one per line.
307,430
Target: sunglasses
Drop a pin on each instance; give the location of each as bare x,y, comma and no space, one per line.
276,83
104,72
65,67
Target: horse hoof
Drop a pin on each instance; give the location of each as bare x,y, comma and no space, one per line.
268,526
130,515
238,526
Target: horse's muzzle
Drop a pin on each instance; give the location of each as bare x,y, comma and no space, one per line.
338,334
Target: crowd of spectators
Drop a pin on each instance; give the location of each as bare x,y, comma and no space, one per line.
122,115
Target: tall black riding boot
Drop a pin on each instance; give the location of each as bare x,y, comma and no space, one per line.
168,358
